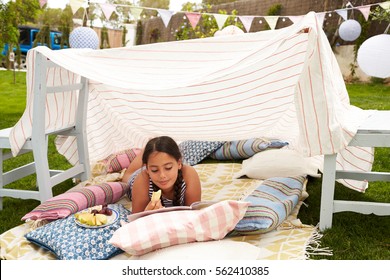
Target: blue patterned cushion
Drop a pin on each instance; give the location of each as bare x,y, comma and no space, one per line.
68,241
194,151
84,37
243,149
271,203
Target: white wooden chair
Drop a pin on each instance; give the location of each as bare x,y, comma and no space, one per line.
38,142
374,132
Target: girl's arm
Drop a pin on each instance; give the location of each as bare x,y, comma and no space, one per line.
193,191
140,195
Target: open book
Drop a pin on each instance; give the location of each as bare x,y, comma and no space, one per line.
194,206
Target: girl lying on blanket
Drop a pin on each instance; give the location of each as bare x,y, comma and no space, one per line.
159,167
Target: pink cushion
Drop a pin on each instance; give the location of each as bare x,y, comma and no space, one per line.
118,161
71,202
165,229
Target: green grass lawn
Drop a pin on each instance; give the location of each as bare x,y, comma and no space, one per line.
352,236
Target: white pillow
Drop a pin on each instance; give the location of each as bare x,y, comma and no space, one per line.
208,250
277,163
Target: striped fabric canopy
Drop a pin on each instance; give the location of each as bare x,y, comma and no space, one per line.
282,83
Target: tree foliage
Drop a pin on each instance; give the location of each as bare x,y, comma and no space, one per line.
28,12
191,6
160,4
13,14
216,2
206,27
380,15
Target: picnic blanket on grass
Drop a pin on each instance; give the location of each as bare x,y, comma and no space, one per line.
291,240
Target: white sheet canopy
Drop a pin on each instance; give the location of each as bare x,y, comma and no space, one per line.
282,83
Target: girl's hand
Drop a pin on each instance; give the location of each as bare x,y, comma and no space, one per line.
154,205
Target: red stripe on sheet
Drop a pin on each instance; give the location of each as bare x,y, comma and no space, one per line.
317,128
69,145
357,157
363,150
253,72
348,133
209,100
248,57
303,113
198,60
350,163
222,118
325,95
216,128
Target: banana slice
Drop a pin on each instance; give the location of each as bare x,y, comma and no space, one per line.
156,195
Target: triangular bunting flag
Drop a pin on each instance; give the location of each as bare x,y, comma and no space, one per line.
165,16
321,17
75,5
221,19
107,9
193,18
42,3
365,10
385,5
343,13
247,21
271,20
295,19
136,12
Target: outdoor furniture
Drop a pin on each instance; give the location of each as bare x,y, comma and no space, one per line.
38,142
374,132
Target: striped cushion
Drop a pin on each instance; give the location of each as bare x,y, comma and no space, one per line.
243,149
118,161
271,203
78,199
165,229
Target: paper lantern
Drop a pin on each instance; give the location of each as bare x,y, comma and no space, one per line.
350,30
229,30
374,56
84,37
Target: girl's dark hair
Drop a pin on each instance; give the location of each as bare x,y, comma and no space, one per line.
165,144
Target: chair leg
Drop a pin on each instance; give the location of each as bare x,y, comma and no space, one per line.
82,150
327,192
81,133
42,171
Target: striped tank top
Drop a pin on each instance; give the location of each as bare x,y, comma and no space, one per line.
165,201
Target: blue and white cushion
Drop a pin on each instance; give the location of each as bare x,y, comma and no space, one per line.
194,151
69,241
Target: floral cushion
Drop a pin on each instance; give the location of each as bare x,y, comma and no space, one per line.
69,241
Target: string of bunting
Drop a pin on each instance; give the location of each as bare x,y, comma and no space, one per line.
193,17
